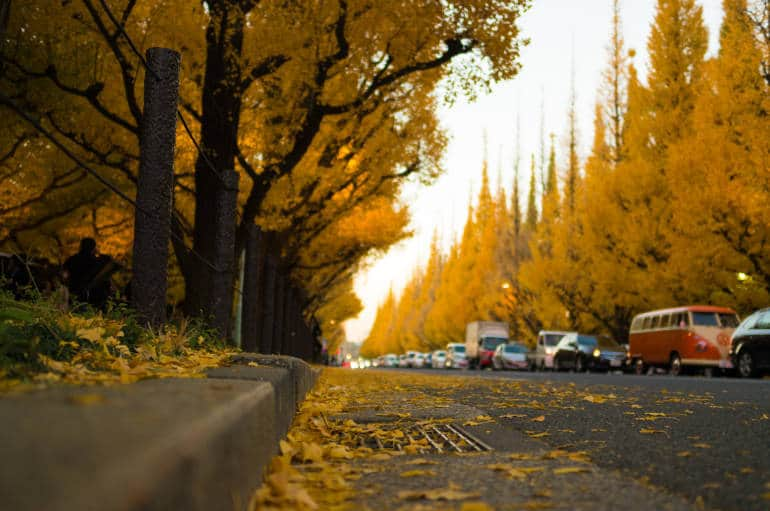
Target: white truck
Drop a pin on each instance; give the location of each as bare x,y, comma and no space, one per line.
481,339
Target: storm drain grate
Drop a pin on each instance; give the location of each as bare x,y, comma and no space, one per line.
423,439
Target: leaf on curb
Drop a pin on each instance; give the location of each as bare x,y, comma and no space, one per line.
539,418
646,431
569,470
418,473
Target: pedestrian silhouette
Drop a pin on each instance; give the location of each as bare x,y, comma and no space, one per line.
88,275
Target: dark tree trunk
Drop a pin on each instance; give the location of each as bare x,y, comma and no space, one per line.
216,200
253,282
268,305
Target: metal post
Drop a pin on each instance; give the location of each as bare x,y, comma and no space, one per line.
154,189
251,318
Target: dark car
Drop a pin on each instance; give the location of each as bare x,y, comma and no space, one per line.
750,345
588,353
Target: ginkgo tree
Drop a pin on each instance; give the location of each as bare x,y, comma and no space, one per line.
282,93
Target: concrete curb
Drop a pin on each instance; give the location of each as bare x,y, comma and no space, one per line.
155,445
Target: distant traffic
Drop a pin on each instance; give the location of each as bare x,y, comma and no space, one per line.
683,340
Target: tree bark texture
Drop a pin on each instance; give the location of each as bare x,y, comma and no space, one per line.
216,200
253,282
155,186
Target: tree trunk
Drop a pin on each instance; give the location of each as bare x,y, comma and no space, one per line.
212,272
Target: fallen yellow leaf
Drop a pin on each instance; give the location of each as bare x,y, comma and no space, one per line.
453,492
475,506
421,461
539,418
569,470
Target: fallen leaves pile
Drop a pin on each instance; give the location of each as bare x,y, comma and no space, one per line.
42,346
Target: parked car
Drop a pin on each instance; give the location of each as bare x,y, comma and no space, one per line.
683,338
542,356
750,345
427,360
510,356
438,360
390,360
455,356
403,361
588,353
415,359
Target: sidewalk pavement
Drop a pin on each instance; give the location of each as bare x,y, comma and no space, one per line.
188,444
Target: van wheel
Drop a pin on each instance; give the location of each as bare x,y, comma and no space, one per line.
675,365
708,372
746,365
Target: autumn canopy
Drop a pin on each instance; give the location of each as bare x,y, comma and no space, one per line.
323,109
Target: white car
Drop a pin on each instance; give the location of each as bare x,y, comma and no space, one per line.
455,356
542,357
438,361
510,356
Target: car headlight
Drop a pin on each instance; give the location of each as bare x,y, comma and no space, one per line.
597,353
549,351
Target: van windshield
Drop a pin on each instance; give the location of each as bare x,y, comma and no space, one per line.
704,319
728,320
587,340
458,349
490,343
552,339
515,348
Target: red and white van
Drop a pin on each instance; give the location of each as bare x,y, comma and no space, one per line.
695,336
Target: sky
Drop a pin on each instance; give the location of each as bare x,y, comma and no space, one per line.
561,32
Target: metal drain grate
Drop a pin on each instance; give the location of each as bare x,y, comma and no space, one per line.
436,438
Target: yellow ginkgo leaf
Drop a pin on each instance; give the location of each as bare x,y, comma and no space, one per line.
569,470
418,473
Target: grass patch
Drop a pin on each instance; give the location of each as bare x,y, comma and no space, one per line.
40,343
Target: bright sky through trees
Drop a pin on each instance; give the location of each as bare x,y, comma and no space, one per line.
558,30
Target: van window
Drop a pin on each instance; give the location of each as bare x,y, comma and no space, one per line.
665,320
636,324
681,320
704,319
655,322
646,323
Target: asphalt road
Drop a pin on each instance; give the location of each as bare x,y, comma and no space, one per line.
705,439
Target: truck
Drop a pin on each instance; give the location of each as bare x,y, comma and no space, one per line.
481,339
